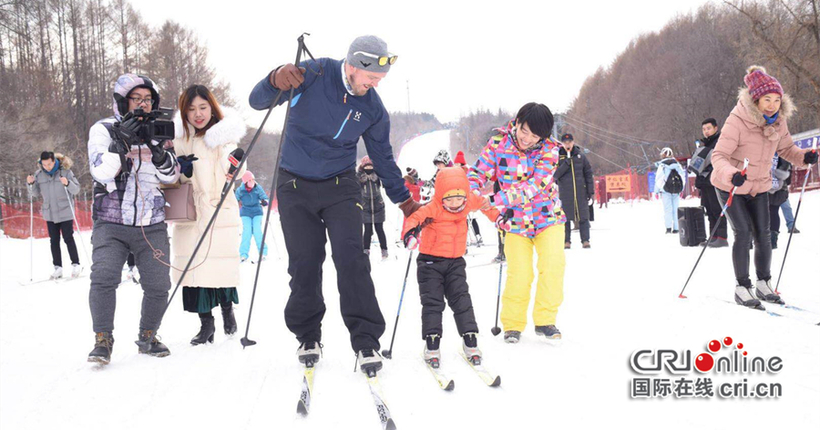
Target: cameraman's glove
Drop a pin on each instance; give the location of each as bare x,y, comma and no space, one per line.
127,134
158,153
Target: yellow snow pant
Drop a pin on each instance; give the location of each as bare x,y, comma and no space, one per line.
549,293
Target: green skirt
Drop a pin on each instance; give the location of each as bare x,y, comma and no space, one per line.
202,300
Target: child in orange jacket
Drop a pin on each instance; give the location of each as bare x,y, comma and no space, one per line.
441,267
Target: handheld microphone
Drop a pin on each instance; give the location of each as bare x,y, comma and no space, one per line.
234,158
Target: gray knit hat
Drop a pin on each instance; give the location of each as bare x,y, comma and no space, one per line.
365,51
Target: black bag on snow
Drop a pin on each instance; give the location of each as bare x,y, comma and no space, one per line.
692,226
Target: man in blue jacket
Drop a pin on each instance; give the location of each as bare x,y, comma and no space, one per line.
333,106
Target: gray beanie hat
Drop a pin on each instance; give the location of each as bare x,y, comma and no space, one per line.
364,54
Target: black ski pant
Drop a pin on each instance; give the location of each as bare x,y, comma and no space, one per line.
774,224
67,230
501,235
441,278
368,234
310,212
749,218
583,226
130,261
709,200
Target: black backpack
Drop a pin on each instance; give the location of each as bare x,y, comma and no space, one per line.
674,183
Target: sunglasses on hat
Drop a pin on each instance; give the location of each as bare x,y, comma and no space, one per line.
383,60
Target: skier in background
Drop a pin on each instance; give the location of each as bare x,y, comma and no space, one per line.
669,184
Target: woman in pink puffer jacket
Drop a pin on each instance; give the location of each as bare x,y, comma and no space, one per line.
756,129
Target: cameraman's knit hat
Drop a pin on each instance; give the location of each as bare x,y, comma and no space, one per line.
372,45
127,83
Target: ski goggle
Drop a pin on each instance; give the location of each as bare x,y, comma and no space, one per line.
383,60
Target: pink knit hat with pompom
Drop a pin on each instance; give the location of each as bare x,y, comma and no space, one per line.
760,83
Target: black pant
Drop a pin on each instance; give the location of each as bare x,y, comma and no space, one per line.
441,278
310,211
475,227
709,200
67,230
131,262
749,218
583,226
368,234
501,235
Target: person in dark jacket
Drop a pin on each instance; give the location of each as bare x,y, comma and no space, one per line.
708,196
372,205
576,187
55,181
335,103
252,198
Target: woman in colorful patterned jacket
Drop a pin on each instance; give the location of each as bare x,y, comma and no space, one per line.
523,159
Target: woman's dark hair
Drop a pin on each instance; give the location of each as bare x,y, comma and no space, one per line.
709,121
188,97
537,117
46,155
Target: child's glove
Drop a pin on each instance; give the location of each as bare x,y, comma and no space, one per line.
263,202
411,238
503,221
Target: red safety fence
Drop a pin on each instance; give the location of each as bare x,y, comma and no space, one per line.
15,219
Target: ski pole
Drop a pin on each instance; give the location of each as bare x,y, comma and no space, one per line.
714,230
796,213
31,236
79,231
388,353
496,330
245,341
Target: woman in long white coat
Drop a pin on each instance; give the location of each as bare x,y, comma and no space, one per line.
205,140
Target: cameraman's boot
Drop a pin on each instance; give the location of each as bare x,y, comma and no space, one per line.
149,343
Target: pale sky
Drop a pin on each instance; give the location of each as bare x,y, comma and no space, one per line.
457,56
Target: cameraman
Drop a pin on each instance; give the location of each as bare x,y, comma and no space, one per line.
129,214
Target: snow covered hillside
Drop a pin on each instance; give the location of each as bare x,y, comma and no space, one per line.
620,296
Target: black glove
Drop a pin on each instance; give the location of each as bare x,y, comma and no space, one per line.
263,202
738,179
186,164
127,133
810,157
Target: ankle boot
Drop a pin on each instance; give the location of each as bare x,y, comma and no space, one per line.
228,319
206,332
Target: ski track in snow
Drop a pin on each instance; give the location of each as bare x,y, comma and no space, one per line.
620,296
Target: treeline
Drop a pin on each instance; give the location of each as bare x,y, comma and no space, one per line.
657,92
58,62
471,133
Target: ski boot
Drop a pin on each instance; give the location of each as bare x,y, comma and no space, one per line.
567,245
385,255
57,274
206,331
103,345
512,336
309,353
432,353
369,361
548,331
500,258
76,269
585,245
763,291
471,348
149,343
478,241
743,297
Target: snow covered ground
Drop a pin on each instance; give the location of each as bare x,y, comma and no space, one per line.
620,296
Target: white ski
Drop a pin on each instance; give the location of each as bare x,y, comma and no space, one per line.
303,407
381,407
488,377
444,382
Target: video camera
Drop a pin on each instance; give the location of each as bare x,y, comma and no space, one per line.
156,125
